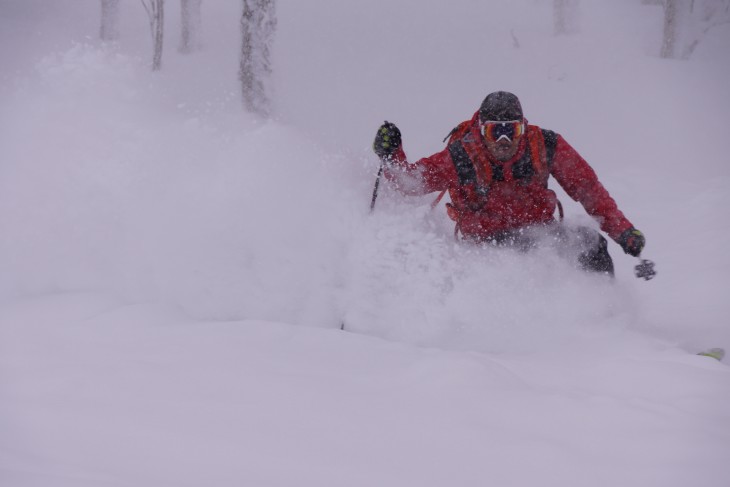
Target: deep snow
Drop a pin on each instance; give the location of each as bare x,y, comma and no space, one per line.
161,250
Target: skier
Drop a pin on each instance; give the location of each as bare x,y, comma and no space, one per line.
496,168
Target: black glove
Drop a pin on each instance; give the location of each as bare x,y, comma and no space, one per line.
387,140
632,241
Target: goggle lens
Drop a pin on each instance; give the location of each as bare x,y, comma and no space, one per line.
495,130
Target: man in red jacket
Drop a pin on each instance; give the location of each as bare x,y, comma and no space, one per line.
496,168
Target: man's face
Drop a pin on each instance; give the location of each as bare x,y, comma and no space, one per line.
503,138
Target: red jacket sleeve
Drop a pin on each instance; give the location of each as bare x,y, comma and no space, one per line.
433,173
579,180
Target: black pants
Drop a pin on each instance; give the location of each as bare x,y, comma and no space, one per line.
595,256
583,245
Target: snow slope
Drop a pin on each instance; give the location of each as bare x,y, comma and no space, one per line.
175,272
104,394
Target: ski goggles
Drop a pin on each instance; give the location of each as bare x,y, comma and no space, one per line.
494,130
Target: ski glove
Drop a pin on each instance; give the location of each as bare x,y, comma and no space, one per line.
387,140
632,241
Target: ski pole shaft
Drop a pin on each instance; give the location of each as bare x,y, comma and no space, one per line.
375,189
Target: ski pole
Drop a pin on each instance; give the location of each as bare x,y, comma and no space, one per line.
645,269
377,185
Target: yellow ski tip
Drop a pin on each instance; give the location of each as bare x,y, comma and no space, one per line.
716,353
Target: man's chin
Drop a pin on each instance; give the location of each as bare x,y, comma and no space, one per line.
503,153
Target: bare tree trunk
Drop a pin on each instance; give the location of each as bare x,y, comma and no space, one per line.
156,13
565,16
671,28
109,20
191,25
258,24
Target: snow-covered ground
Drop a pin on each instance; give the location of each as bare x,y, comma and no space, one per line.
174,273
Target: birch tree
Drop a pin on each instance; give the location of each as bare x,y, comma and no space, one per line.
156,14
258,24
191,23
565,16
109,30
675,14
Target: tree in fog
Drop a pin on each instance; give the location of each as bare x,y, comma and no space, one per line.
673,16
565,16
156,14
109,30
191,25
687,22
258,24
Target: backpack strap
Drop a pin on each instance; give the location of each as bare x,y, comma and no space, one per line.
466,148
542,151
458,131
551,142
465,170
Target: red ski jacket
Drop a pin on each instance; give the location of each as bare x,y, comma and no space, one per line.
489,197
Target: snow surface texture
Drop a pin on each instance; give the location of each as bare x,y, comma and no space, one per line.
175,272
